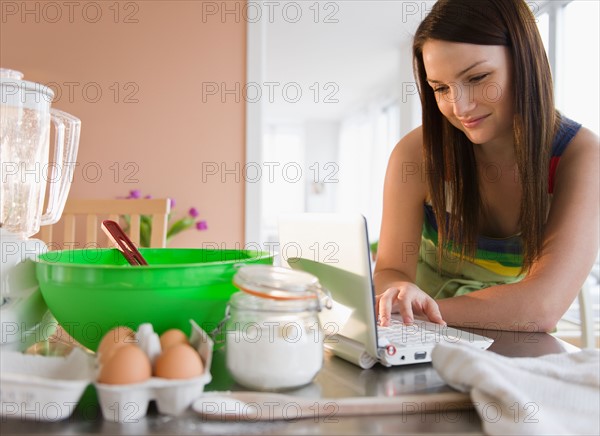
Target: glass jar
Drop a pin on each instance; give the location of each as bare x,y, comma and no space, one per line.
273,337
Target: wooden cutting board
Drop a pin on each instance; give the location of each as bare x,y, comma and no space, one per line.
266,406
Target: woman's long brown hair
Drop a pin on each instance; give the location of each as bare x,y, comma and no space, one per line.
450,161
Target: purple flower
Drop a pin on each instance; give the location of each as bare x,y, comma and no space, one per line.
172,201
193,212
148,197
135,193
201,225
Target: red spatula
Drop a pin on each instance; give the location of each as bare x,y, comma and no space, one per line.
116,234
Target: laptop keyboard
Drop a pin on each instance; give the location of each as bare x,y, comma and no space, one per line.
402,335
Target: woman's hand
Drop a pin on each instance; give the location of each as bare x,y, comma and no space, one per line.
408,300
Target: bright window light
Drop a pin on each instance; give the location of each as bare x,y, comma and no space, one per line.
281,175
578,90
543,22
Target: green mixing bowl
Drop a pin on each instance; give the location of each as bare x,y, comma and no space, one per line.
90,291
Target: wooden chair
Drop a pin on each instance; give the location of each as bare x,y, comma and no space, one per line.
93,209
586,317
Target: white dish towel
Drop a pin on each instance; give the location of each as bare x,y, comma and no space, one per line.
549,395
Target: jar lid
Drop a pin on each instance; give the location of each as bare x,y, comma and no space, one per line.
278,283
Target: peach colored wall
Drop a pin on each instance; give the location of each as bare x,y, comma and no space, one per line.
150,117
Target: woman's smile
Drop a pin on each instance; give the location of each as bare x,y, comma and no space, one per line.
473,122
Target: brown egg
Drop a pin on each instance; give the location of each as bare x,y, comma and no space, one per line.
114,339
179,361
127,364
172,337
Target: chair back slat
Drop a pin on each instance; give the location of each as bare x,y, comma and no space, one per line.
91,230
134,229
97,209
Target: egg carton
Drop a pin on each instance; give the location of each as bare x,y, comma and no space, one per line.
129,403
48,388
43,388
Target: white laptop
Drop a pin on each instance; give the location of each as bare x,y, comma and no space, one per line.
335,248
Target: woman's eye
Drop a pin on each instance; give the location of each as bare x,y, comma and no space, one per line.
478,78
440,89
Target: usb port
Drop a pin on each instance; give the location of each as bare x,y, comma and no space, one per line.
420,355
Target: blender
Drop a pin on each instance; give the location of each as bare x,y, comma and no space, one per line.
33,192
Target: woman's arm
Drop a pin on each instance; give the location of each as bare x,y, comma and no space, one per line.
570,248
400,237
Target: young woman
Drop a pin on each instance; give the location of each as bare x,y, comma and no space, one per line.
491,207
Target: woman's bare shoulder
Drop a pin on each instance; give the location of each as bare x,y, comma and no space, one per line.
406,168
586,139
584,149
577,175
410,148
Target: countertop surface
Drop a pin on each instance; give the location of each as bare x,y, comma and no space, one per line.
337,379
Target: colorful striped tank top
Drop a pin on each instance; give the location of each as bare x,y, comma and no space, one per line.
497,260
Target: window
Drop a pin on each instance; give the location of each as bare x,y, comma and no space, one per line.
569,30
543,22
366,141
280,175
578,89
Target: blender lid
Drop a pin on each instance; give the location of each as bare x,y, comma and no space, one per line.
7,73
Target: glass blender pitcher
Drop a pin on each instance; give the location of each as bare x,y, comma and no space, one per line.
27,174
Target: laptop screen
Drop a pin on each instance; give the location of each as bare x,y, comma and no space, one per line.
335,249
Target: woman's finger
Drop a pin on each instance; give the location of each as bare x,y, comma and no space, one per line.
384,308
405,306
432,311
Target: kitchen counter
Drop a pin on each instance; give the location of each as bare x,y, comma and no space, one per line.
337,379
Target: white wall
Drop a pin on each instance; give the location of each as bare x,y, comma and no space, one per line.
321,148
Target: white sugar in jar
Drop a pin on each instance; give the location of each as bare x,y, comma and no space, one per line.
273,337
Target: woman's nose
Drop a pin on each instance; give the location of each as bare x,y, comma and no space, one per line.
462,101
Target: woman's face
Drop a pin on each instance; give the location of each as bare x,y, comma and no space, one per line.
472,85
